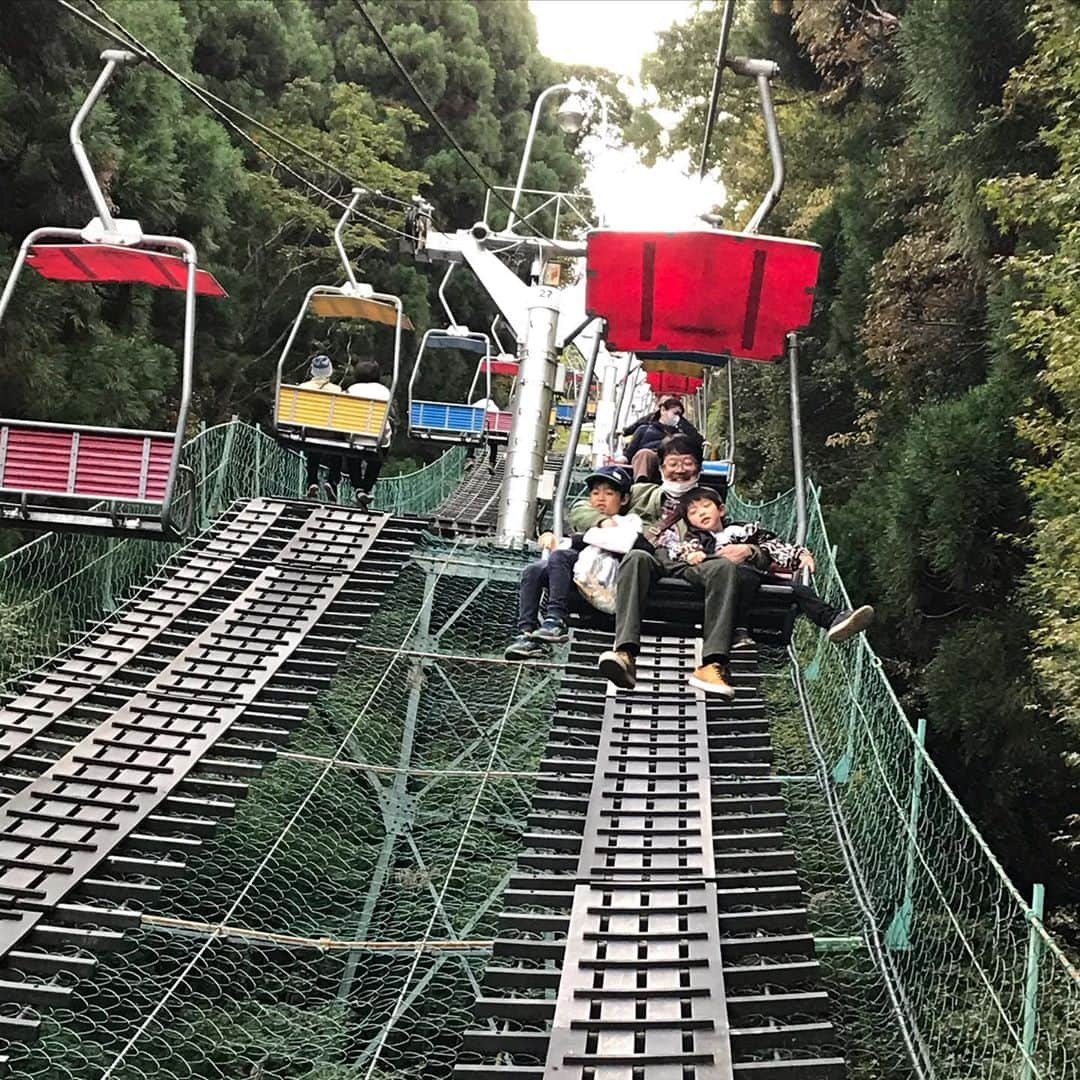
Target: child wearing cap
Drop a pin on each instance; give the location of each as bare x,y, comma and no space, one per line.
704,532
321,378
608,497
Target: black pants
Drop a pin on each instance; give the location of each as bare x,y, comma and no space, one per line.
639,572
556,574
364,471
808,602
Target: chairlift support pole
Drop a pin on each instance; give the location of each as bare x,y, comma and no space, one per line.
339,237
113,58
730,413
580,409
764,71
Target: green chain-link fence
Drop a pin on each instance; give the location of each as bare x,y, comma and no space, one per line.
941,967
335,930
61,583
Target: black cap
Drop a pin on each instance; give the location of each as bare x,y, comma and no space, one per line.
615,475
703,491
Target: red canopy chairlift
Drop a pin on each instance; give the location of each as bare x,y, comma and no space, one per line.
103,479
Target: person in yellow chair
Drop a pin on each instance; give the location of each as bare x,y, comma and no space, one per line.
321,377
364,468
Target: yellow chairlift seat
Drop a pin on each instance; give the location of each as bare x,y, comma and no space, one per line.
339,306
305,415
675,367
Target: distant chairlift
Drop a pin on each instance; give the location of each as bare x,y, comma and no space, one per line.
472,421
327,421
564,410
98,479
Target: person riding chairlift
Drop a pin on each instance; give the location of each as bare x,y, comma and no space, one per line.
364,468
321,375
650,431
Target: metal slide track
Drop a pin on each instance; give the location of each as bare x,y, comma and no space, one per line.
140,739
472,508
655,929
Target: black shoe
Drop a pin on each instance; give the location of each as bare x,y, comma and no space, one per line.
552,630
312,491
850,622
743,640
362,499
330,491
525,647
618,667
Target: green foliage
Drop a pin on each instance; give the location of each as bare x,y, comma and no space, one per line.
940,383
1044,211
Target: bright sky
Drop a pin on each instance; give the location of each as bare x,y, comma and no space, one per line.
616,34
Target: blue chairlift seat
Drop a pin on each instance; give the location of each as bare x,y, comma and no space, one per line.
444,418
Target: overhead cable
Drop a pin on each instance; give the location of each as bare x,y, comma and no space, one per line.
129,41
153,58
435,118
714,97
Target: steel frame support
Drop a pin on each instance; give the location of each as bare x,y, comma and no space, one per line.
1029,1069
580,409
393,824
797,440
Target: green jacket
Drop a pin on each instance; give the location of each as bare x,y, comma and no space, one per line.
646,500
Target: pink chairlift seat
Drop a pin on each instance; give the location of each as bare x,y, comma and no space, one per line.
131,466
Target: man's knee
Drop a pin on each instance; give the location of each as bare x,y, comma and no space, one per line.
534,571
718,569
636,562
562,555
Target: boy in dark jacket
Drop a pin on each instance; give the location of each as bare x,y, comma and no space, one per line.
609,495
705,531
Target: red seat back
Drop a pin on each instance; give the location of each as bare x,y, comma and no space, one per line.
106,262
129,466
707,292
664,382
498,421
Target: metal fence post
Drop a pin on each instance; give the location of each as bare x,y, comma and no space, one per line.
842,769
1031,983
898,936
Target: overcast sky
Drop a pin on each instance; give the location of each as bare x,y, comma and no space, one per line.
616,34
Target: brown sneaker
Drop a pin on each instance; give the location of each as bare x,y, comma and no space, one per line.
618,666
713,679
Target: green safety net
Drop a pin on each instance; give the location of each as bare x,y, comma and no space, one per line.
60,584
337,928
937,963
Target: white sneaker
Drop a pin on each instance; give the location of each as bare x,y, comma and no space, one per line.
850,622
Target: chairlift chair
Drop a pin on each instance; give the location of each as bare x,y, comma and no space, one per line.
328,421
103,479
463,423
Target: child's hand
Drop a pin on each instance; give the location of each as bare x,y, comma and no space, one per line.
806,562
695,557
609,523
547,541
736,553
